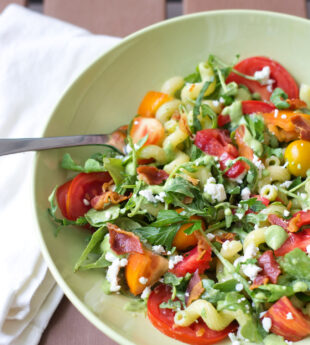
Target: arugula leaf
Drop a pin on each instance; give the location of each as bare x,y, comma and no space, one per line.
174,305
196,110
115,168
278,98
226,286
193,78
172,279
195,153
191,229
256,126
101,262
296,263
296,182
127,223
270,151
167,217
253,204
211,294
91,165
159,236
100,218
273,292
181,186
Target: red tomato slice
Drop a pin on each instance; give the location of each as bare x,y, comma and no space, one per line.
163,319
192,261
216,142
293,328
278,73
61,196
146,125
83,186
296,240
248,107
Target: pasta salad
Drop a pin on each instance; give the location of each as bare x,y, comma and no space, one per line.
200,212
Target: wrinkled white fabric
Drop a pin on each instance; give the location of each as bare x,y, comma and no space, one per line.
39,59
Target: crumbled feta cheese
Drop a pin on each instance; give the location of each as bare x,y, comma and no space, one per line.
286,184
239,215
127,149
158,249
239,287
215,190
216,103
245,193
143,280
308,249
289,316
222,100
258,163
266,322
269,87
263,76
113,270
286,213
160,197
283,116
148,195
250,251
239,178
210,236
303,196
226,245
86,202
262,314
233,338
173,260
250,270
146,292
276,112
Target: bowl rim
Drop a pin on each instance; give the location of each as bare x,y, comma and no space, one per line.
74,299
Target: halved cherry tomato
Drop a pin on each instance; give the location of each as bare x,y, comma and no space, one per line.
163,319
61,196
248,107
151,102
71,196
192,261
145,125
299,219
148,265
216,142
295,240
297,156
278,73
292,328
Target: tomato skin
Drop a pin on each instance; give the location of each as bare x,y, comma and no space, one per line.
217,143
144,125
163,320
282,77
61,197
151,102
192,261
297,156
295,240
83,186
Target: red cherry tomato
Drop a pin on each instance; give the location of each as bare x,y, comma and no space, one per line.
216,142
147,125
248,107
192,261
295,240
163,319
73,197
278,73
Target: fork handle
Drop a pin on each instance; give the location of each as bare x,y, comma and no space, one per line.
9,146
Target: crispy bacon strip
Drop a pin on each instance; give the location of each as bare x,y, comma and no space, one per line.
270,266
275,220
299,219
98,202
302,126
151,175
296,103
202,246
123,242
227,236
194,289
261,279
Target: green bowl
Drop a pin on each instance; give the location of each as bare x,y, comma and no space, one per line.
107,95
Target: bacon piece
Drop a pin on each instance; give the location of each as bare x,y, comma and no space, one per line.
302,125
227,236
298,220
194,289
123,242
261,279
151,175
270,266
100,201
275,220
296,103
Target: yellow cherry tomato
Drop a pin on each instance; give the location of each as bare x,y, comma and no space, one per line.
297,154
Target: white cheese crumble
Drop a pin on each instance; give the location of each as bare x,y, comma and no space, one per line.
263,76
266,322
245,193
143,280
158,249
216,103
210,236
251,270
239,215
262,314
215,190
146,292
276,112
239,287
148,195
160,197
308,249
234,339
175,259
86,202
286,184
222,100
113,270
289,316
258,163
286,213
250,251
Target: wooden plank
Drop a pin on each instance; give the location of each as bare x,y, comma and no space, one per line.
69,327
4,3
111,17
296,7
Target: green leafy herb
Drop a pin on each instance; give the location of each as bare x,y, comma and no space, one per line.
115,168
100,218
278,98
253,204
136,305
256,126
273,292
296,263
91,165
174,305
179,185
193,78
208,111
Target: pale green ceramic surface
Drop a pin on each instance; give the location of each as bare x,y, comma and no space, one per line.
107,95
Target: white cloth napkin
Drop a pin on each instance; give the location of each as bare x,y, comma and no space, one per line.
39,59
